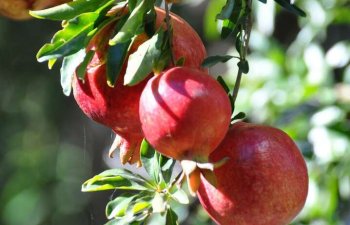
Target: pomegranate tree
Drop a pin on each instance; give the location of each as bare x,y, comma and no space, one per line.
138,69
264,182
118,107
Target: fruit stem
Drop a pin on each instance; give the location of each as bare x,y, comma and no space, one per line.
245,36
169,30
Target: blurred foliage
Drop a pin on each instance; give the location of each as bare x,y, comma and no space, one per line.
299,81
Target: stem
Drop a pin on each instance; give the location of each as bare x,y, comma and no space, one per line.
245,35
180,175
237,85
169,30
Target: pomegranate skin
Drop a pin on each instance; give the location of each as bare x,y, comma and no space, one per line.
265,181
118,107
19,9
184,113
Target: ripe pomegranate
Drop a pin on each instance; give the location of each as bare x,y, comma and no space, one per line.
118,107
264,182
19,9
184,113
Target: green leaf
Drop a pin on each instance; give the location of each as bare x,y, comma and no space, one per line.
124,221
223,84
233,17
116,56
213,60
146,58
291,8
118,206
70,39
171,218
243,66
227,10
167,165
69,65
180,196
70,10
263,1
240,115
133,25
159,203
239,43
227,28
81,69
116,179
149,160
141,206
157,166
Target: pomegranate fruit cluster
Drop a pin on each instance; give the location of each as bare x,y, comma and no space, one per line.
118,107
185,114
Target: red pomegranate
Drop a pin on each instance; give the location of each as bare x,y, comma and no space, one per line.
184,113
19,9
118,107
264,182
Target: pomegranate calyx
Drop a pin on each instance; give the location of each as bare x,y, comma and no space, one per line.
192,171
115,145
127,153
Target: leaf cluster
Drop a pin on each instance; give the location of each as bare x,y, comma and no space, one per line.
143,197
84,20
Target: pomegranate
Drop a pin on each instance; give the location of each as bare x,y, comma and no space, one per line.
184,113
118,107
264,182
19,9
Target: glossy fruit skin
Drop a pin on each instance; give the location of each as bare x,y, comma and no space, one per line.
19,9
265,181
184,113
118,107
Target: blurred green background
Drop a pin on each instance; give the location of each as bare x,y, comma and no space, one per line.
299,81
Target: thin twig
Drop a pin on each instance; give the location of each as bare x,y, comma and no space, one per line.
245,35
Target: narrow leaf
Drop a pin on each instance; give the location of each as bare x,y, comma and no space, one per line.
171,218
213,60
70,39
133,25
116,56
81,69
223,84
243,66
141,62
226,10
159,203
167,165
118,206
291,8
180,196
69,65
149,161
141,206
238,116
69,10
115,179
